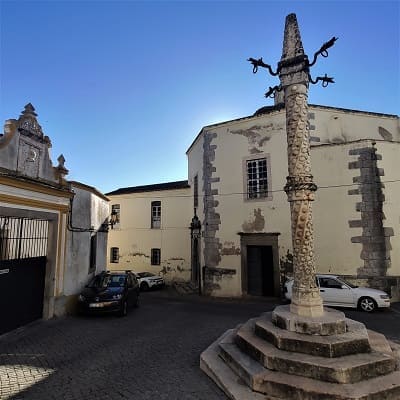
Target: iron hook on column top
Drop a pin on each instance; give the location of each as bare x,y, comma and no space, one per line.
272,91
326,80
323,50
260,63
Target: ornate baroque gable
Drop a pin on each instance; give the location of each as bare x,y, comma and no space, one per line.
26,149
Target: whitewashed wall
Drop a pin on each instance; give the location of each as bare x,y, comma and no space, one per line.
135,238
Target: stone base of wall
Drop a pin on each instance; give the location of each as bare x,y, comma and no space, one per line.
389,284
213,278
65,305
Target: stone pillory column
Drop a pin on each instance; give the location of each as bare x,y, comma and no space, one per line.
294,76
302,351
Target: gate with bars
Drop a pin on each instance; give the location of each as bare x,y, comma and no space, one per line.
23,250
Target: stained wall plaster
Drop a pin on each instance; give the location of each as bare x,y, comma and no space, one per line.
258,135
255,223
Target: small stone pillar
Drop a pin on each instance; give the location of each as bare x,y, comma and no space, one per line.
300,188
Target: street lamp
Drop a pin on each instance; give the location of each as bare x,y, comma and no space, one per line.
195,235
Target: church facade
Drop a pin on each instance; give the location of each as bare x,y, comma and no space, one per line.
236,172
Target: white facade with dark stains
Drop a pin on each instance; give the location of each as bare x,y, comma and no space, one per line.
356,220
152,233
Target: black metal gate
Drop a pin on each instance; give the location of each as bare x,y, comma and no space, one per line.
23,249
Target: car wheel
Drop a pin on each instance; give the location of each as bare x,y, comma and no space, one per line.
137,302
367,304
124,309
144,286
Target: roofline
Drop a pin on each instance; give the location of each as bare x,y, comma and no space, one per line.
368,140
354,111
270,109
157,187
91,189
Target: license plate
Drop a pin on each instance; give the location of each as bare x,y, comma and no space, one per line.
96,305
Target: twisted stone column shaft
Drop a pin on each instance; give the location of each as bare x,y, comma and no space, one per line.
300,189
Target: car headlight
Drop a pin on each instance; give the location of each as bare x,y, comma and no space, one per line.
81,298
117,296
384,296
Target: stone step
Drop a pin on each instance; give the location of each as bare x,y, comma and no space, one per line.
354,340
284,386
378,342
185,288
225,378
346,369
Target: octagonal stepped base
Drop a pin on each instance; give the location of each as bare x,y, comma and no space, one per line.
347,369
354,340
241,376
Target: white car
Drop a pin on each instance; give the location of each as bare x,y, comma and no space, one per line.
148,281
336,292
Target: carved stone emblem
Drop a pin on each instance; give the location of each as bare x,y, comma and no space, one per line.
28,159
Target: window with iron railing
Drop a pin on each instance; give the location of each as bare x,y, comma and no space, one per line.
156,214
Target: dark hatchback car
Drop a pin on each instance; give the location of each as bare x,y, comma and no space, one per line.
110,291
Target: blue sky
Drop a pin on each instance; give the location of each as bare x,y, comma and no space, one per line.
123,87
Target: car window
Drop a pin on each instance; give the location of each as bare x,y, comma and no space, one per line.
106,280
348,283
98,281
116,281
329,283
145,274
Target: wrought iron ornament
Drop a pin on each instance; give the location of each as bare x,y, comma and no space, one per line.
323,51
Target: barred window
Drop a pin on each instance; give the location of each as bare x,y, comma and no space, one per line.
114,255
257,178
155,256
156,214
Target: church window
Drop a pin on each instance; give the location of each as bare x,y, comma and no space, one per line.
257,178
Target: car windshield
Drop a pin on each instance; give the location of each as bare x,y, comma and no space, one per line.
104,281
145,274
347,283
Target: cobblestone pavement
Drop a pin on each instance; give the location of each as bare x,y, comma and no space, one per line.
151,354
